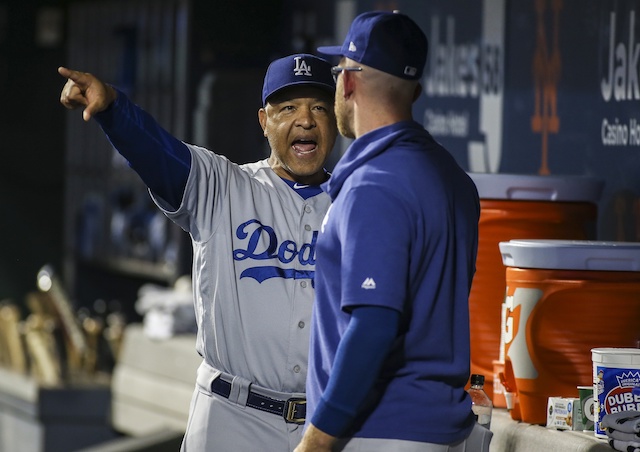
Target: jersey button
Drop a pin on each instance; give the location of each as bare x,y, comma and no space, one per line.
300,324
296,369
307,209
303,284
307,227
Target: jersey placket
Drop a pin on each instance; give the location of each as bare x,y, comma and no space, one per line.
303,294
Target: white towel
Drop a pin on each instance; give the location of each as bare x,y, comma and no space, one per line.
625,446
622,436
623,421
167,311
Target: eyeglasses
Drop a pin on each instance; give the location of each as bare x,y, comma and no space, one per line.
337,70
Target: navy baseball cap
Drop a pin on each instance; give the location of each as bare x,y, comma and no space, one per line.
388,41
298,69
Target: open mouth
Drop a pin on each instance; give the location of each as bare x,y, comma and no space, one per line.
303,147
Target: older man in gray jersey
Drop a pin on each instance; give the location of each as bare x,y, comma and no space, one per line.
253,229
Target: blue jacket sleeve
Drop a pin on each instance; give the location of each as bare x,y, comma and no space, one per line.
359,359
162,161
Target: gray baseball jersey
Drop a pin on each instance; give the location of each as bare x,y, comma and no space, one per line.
254,259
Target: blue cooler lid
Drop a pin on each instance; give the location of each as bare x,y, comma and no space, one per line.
537,188
571,254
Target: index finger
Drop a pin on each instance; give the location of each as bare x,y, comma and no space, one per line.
75,76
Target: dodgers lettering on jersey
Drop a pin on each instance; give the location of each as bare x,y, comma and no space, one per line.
270,248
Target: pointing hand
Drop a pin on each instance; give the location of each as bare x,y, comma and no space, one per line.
85,90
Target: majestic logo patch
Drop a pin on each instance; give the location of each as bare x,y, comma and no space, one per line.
302,68
368,283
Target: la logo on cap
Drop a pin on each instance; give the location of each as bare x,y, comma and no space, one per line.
301,67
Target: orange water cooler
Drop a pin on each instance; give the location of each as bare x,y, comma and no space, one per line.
563,298
519,206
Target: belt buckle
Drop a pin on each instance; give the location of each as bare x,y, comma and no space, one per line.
291,409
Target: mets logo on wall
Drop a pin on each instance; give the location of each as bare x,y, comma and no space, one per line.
547,67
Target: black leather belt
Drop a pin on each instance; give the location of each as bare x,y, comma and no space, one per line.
293,410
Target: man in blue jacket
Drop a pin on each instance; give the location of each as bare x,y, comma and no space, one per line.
389,352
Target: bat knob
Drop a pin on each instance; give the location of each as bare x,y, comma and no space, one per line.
45,278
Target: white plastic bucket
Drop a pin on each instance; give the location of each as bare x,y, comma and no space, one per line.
616,371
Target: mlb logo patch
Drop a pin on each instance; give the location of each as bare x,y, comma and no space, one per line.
410,71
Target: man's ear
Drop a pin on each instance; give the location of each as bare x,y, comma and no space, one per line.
417,92
348,83
262,119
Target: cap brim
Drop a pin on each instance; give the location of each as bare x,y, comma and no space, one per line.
330,50
330,88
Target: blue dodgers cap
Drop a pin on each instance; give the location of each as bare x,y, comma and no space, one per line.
298,69
388,41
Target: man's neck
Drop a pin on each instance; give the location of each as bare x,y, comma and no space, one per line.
370,120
